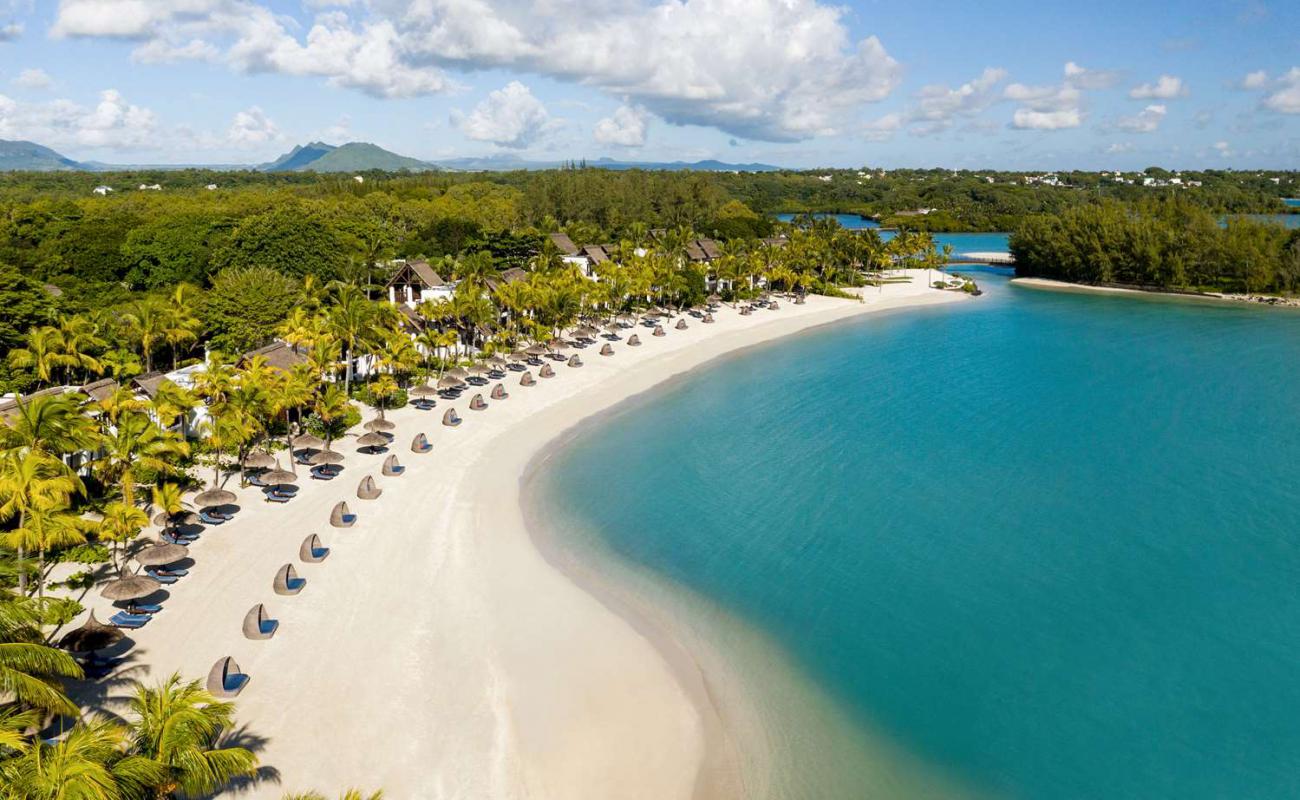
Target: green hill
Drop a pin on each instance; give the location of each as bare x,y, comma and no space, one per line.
18,155
351,157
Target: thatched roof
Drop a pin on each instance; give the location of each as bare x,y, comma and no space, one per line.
100,390
417,272
596,253
278,355
149,383
9,408
564,244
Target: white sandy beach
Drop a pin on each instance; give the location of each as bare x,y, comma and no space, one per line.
436,653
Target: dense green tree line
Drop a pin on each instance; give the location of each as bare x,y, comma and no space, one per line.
1170,244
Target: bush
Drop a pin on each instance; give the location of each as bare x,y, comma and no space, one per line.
365,393
85,554
317,427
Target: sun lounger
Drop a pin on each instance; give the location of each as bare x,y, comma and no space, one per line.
323,473
276,497
209,519
100,668
124,620
142,609
253,480
158,576
170,571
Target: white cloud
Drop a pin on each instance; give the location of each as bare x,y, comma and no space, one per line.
33,78
509,117
883,129
776,70
626,127
1091,78
939,103
252,127
1166,87
1116,148
1056,106
1029,119
1146,121
162,51
1285,98
1254,80
1223,149
112,124
11,32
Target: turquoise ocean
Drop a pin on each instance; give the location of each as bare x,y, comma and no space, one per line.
1032,545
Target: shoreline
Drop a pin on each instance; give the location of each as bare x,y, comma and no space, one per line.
1051,284
445,629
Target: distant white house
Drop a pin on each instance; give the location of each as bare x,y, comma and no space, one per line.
358,179
102,190
151,187
825,178
211,187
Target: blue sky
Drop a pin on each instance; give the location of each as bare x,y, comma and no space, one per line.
1017,85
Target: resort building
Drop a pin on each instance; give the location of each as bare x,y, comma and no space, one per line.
416,281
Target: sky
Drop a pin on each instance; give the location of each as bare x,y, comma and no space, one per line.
801,83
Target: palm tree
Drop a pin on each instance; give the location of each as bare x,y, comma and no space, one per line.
91,763
31,482
53,424
289,391
136,442
47,526
350,319
226,431
121,524
146,323
350,794
29,669
79,337
331,405
180,726
42,352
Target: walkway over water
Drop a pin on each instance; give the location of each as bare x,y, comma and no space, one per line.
996,258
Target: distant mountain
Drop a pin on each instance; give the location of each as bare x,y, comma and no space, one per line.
507,163
351,157
16,155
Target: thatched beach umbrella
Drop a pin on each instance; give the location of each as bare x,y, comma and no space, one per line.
536,350
480,370
326,457
160,554
449,382
379,425
130,588
372,439
164,519
458,372
214,497
278,476
497,362
306,441
258,459
423,390
91,636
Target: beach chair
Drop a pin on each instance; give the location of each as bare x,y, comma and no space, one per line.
527,379
450,418
606,350
546,371
391,468
312,551
659,331
183,541
302,459
174,572
257,625
420,444
225,680
322,473
209,519
254,480
287,581
575,361
124,620
142,609
499,392
478,403
98,668
634,341
681,324
341,517
367,490
276,497
161,578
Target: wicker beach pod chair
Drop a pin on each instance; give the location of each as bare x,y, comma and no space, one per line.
681,324
499,392
800,299
225,680
745,311
773,306
575,360
546,371
527,379
420,444
634,341
708,319
659,331
392,468
450,418
478,403
607,349
341,517
312,551
367,490
287,581
257,625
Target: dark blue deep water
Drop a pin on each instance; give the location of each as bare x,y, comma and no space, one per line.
1048,544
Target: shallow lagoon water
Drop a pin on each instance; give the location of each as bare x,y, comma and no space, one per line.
1035,545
